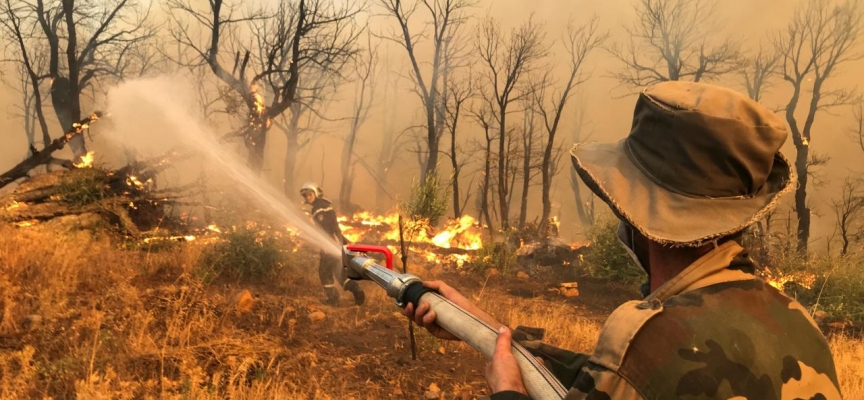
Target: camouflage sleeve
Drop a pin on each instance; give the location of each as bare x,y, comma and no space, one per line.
598,383
564,364
509,395
574,370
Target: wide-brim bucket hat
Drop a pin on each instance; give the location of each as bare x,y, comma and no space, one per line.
701,162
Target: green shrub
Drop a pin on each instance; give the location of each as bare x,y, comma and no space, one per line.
494,255
834,285
428,201
243,255
606,257
84,186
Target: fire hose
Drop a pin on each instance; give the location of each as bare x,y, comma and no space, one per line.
408,289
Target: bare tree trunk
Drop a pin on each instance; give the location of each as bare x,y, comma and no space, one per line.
76,144
289,187
503,207
527,145
802,211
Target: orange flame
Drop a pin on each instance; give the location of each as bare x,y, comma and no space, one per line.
86,161
463,233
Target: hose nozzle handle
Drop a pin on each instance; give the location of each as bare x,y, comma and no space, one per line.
368,248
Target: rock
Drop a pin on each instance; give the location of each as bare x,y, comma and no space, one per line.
569,289
820,315
442,350
430,395
434,388
243,301
837,325
491,272
32,321
316,316
523,275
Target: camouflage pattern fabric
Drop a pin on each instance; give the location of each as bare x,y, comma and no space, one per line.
713,332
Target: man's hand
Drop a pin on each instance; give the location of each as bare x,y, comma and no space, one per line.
425,317
502,373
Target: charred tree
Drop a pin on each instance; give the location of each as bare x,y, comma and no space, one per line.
528,166
458,93
484,119
266,74
364,94
673,40
849,211
757,72
821,37
445,18
507,60
579,43
84,43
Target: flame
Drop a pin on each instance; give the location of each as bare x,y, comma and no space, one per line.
779,280
23,224
13,206
257,116
133,181
213,228
463,233
86,161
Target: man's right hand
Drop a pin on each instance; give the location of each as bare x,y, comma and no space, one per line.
425,317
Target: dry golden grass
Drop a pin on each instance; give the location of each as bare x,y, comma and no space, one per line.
80,318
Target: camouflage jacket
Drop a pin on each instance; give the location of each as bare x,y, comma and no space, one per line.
715,331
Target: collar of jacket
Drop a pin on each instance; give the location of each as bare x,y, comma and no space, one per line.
710,269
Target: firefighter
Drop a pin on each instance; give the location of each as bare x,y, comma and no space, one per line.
330,267
701,164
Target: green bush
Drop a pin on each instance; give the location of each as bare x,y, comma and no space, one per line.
833,285
494,255
428,201
82,187
606,257
243,255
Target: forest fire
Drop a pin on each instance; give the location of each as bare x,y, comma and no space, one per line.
453,243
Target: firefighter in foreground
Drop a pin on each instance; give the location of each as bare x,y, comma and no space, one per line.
330,268
701,164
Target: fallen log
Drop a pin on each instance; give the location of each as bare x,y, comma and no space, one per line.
126,198
44,156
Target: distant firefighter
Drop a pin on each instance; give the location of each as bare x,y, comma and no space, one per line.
330,267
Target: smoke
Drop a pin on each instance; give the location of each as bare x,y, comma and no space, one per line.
159,114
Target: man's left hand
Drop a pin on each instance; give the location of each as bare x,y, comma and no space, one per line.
502,373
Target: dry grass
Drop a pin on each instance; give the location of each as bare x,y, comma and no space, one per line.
80,318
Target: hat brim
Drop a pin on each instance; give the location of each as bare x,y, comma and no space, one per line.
665,216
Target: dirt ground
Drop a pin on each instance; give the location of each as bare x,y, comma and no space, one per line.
375,351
